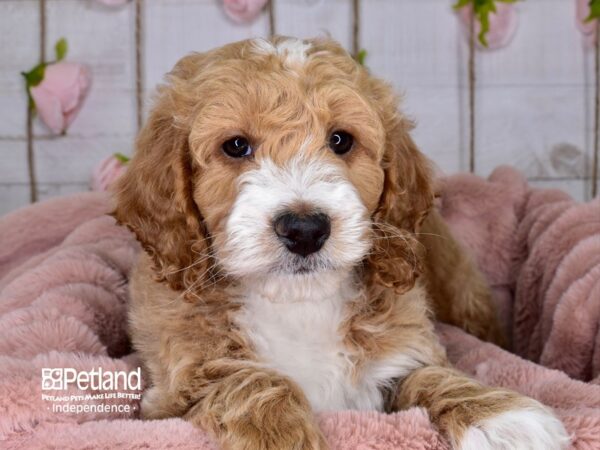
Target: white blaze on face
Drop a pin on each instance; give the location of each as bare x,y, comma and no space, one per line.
250,245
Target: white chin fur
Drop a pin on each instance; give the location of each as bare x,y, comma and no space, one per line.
532,428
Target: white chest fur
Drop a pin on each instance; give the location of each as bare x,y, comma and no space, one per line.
295,331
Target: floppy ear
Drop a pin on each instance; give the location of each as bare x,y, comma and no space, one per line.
154,197
396,257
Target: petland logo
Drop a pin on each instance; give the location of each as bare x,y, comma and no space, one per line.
96,379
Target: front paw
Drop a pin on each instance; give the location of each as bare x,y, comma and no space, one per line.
283,433
532,427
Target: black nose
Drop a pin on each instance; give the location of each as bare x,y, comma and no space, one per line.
302,234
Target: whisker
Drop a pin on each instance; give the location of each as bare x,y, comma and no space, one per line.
432,234
195,263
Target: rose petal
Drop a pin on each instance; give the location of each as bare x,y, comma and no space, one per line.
243,11
589,29
48,108
62,79
82,88
112,2
61,76
582,11
65,85
106,173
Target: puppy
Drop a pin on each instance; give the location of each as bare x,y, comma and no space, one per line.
280,200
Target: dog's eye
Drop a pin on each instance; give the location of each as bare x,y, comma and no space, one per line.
237,147
341,142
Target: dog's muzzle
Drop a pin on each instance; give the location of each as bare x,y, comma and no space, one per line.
302,234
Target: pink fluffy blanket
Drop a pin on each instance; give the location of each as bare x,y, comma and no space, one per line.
63,292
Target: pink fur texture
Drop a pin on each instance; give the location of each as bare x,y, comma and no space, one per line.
63,291
540,251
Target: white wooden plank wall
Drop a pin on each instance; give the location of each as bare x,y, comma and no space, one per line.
534,99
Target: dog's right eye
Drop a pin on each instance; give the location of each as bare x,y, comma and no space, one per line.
341,142
237,147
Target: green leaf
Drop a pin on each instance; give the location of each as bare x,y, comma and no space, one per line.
60,49
594,11
33,78
35,75
482,10
484,19
361,57
122,158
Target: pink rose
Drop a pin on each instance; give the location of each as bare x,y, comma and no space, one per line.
107,172
60,95
582,11
243,11
503,25
112,2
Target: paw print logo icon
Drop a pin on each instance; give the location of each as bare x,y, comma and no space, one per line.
52,379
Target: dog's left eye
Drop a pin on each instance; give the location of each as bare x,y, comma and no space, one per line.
341,142
237,147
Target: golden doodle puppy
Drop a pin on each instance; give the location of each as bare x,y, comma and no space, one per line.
285,215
